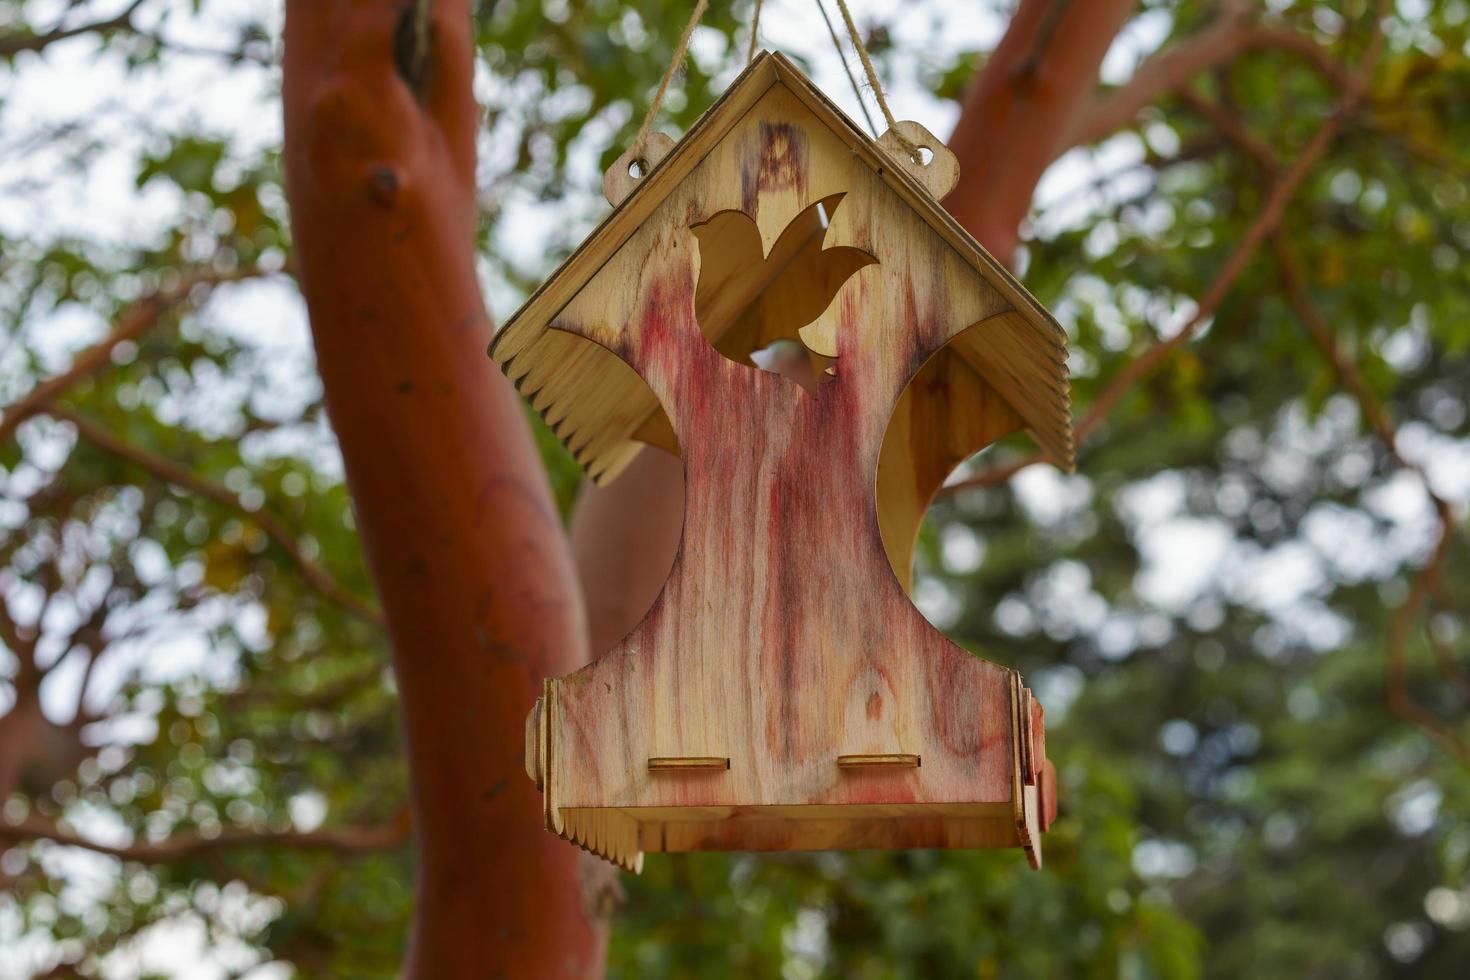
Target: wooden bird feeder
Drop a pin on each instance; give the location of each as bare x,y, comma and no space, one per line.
783,693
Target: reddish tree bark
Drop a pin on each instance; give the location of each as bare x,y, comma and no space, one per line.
1022,109
464,543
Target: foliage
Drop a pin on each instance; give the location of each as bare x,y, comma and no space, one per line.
1204,609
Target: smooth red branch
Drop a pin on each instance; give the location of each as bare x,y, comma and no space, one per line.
1227,38
461,534
1017,113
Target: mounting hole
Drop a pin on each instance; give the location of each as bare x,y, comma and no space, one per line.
926,156
638,169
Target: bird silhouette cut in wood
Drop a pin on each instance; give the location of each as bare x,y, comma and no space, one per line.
791,286
783,692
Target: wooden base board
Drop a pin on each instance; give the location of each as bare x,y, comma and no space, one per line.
624,834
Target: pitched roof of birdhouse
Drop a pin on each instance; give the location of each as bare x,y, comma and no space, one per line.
599,411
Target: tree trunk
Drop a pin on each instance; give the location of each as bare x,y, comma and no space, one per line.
461,534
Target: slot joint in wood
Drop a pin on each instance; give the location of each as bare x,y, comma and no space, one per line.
688,763
896,760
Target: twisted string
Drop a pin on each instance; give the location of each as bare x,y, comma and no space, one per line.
857,42
755,31
640,141
682,50
857,90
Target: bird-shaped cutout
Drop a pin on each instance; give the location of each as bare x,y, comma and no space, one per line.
752,306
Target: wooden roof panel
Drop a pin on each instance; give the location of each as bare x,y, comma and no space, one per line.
600,408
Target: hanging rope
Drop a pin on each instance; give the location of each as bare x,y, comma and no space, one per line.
641,139
755,31
857,42
857,90
682,50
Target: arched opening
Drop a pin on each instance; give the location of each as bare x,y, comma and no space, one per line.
616,428
947,413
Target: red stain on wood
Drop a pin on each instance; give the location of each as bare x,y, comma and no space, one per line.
782,638
776,160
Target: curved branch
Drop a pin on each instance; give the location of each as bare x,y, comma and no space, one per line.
1233,128
1445,659
14,43
1228,37
1266,221
456,516
1427,578
338,840
315,576
1395,669
134,321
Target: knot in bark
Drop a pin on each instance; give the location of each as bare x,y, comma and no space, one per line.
383,184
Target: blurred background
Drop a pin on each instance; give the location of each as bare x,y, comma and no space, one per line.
1245,615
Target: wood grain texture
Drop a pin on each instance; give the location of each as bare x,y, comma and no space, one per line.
947,414
783,640
618,180
939,174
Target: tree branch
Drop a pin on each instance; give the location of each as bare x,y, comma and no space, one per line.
1427,579
338,840
1230,35
1019,109
1400,701
14,43
134,321
1445,660
14,638
1380,423
1266,221
456,516
1232,128
315,576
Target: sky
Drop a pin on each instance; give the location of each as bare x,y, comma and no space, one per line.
1184,557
